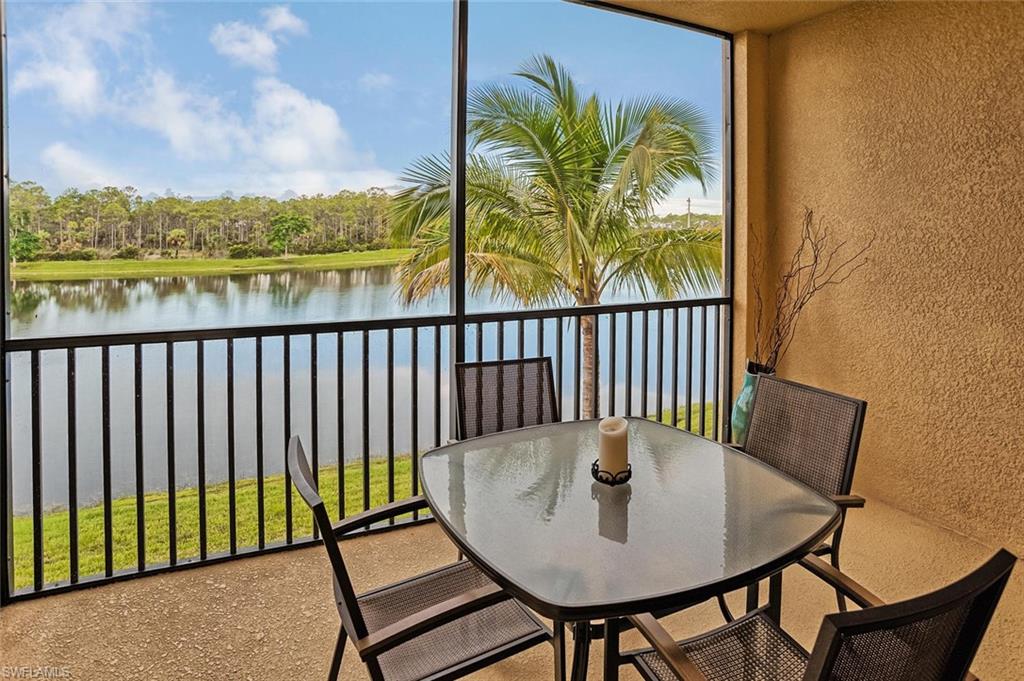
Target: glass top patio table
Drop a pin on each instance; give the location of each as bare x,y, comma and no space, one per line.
697,518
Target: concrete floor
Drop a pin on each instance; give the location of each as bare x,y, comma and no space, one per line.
272,617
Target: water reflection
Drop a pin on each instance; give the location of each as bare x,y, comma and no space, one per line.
110,305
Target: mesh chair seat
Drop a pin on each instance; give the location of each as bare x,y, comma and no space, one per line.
451,644
753,648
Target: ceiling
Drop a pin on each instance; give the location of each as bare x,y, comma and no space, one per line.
733,16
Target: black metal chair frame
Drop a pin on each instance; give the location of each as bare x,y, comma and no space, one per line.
984,587
371,644
460,377
844,499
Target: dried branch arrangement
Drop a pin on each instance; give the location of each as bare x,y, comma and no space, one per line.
817,263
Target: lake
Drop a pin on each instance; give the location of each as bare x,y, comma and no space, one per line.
109,306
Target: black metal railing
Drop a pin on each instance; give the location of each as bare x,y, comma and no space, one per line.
138,453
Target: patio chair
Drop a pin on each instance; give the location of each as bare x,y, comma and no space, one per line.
504,394
811,435
443,624
929,638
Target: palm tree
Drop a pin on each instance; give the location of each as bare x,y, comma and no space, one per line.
560,197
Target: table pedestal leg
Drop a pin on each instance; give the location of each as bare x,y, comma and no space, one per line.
611,649
559,644
580,650
774,610
753,596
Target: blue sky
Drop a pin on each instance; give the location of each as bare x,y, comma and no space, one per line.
206,97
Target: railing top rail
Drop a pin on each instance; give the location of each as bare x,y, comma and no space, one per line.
273,330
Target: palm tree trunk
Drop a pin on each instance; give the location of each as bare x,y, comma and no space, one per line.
591,398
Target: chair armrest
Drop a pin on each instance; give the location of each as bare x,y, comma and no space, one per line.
666,647
845,501
375,515
850,588
412,626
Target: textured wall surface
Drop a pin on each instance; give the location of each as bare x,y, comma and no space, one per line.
750,57
907,120
733,16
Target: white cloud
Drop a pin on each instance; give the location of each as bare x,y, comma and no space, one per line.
294,130
248,45
376,80
195,125
278,138
75,169
279,19
63,52
245,45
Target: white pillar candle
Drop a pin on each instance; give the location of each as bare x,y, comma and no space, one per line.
613,444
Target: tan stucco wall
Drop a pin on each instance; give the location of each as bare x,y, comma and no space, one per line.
907,120
750,64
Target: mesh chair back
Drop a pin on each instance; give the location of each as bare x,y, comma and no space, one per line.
930,638
506,394
348,606
807,433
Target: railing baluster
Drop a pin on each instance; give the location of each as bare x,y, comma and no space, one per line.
645,340
437,385
559,364
341,425
522,339
703,367
260,502
479,342
232,492
414,412
629,364
172,519
577,375
108,516
714,378
689,369
540,338
660,366
501,340
675,368
595,367
140,477
201,443
73,467
37,478
314,426
391,418
286,359
613,323
366,420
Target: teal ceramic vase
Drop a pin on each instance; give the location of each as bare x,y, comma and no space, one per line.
740,420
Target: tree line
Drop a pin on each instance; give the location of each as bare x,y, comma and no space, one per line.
120,222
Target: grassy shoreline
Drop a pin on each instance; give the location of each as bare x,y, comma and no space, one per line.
143,269
57,547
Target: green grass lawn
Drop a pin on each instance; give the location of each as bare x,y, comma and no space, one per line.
709,418
56,544
140,269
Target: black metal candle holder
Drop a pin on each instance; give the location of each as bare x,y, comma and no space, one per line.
606,478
